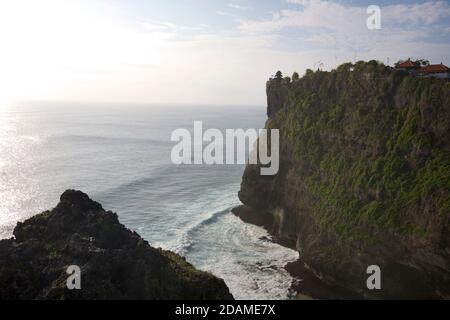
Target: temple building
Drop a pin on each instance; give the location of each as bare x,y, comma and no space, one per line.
439,71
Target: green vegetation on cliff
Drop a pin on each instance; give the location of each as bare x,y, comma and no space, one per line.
372,148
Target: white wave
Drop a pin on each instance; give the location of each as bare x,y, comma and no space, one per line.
252,268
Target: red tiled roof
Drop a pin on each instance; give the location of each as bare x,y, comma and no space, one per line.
434,68
406,64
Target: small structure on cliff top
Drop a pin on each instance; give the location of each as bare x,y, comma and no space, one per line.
423,69
436,71
407,65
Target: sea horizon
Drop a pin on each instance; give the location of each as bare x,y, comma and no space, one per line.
122,161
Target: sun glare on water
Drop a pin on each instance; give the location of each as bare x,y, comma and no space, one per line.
5,103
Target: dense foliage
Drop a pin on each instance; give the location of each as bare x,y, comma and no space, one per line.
373,149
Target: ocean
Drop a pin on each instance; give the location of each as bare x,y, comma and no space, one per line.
120,156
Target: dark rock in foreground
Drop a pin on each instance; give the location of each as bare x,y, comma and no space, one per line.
115,262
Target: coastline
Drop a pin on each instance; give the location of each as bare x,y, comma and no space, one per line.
306,284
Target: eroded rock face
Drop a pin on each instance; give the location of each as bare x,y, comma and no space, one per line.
115,262
363,180
276,96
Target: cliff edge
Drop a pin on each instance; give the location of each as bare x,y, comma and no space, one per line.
115,263
364,178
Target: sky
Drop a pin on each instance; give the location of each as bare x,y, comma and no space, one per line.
198,51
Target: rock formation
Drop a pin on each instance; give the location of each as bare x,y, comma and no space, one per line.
364,178
115,263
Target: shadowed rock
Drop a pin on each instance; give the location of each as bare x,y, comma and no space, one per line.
115,262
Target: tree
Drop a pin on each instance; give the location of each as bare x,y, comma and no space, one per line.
278,76
295,76
287,80
345,67
422,62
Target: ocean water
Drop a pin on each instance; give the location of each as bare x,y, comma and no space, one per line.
120,156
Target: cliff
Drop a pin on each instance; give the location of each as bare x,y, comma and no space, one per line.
115,263
364,178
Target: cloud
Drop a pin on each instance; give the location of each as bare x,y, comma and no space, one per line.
228,14
147,60
426,13
153,26
335,25
336,16
238,7
171,29
314,14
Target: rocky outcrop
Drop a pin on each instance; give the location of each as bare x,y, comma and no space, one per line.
364,179
276,91
115,263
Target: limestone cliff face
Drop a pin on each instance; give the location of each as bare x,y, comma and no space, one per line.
364,179
277,92
115,262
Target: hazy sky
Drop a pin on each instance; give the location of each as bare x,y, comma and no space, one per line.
198,51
